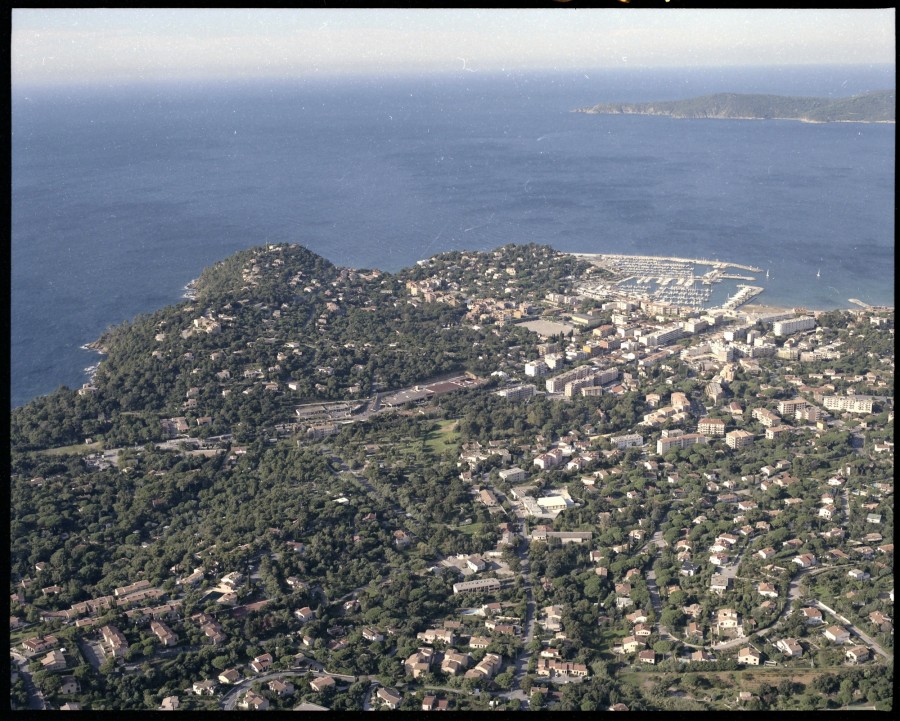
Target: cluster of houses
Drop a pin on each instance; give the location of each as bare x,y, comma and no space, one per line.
603,355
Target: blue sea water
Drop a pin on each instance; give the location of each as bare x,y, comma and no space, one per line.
120,196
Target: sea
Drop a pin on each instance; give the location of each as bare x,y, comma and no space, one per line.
122,195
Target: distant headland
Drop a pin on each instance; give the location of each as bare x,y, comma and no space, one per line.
873,107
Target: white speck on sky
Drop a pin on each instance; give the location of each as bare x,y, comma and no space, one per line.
96,45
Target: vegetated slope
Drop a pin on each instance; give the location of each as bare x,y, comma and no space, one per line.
878,106
275,326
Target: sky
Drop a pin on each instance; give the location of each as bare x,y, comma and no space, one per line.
60,46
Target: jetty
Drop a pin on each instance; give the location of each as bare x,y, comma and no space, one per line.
744,294
618,257
857,301
667,279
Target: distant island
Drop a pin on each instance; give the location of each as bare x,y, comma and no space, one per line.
874,107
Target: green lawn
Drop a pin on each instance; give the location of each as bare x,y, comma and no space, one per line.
77,449
444,438
471,529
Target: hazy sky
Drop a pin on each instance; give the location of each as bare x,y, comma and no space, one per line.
121,45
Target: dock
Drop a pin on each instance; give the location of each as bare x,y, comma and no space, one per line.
745,294
721,264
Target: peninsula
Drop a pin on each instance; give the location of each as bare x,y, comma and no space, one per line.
873,107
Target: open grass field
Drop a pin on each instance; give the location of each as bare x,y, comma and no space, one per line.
78,449
445,437
470,529
718,689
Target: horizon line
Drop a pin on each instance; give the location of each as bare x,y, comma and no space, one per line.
401,74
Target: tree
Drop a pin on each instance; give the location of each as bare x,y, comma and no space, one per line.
505,680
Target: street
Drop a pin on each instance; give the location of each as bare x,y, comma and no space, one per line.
35,697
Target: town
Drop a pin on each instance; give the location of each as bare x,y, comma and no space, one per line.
492,480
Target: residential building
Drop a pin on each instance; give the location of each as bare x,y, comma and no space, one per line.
837,634
371,634
389,697
738,439
455,663
711,427
38,644
206,687
230,676
677,439
481,584
766,417
775,432
419,662
849,404
54,661
437,634
749,656
261,663
513,475
163,633
487,668
811,616
280,687
114,642
518,393
629,440
321,683
793,325
789,647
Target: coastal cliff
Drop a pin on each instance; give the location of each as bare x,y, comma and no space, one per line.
873,107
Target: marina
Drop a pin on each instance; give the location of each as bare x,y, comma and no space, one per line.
670,280
744,295
657,261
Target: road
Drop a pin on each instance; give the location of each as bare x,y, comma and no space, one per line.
653,589
525,655
35,697
854,630
792,596
229,700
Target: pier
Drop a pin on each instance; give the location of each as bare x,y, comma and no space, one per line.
744,295
719,264
857,301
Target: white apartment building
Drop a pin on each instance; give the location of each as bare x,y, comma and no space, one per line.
793,325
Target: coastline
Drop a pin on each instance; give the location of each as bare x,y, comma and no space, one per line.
599,259
97,347
809,121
